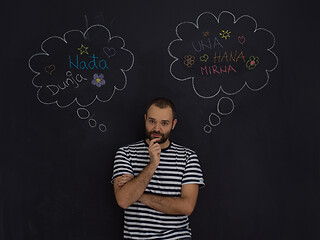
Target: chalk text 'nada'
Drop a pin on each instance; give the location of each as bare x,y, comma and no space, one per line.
93,63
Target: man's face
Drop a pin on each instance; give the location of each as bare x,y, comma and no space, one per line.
159,123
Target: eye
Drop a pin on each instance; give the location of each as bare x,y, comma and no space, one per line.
151,121
165,123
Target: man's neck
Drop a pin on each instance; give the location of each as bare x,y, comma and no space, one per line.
162,145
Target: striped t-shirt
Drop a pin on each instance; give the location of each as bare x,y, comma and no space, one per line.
178,166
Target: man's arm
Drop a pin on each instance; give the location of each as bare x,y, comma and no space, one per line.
130,192
183,205
127,189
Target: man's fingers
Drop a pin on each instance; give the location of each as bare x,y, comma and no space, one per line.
152,142
126,177
155,146
122,180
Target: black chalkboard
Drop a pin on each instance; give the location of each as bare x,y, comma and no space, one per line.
77,76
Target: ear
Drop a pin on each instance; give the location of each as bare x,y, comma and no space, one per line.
145,117
174,124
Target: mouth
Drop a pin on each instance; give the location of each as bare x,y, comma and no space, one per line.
156,135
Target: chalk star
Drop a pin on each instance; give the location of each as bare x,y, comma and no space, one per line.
225,34
83,49
205,34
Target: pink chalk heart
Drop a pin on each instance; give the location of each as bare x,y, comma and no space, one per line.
50,69
110,52
241,39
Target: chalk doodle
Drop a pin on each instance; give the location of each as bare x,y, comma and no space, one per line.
85,114
225,34
236,55
76,69
241,40
214,120
83,49
252,62
110,52
50,69
206,34
98,80
204,58
188,60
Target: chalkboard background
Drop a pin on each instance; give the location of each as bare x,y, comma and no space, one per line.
261,163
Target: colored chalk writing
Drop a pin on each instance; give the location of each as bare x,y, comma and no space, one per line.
222,51
81,68
221,55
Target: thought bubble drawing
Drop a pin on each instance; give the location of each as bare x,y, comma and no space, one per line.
229,54
78,69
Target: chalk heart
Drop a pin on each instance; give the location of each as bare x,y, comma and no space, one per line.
50,69
204,58
110,52
241,39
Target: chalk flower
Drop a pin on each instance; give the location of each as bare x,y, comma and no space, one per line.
252,62
98,80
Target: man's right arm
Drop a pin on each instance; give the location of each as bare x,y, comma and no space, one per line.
129,192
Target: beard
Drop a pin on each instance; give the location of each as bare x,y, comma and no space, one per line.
164,137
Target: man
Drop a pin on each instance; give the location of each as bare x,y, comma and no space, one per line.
156,181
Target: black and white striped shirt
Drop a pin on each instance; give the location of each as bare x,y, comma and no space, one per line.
178,166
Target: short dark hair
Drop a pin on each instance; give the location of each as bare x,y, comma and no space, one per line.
162,102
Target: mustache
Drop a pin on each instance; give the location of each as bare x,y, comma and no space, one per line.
155,132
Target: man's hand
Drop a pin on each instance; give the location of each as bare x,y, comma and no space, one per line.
154,151
183,205
128,189
122,180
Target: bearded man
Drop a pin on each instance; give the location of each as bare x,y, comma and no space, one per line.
157,181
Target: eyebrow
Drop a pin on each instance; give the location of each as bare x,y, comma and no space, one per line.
151,118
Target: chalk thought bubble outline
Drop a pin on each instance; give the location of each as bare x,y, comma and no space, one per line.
44,53
220,87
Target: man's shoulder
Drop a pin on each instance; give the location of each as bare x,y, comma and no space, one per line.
179,147
136,145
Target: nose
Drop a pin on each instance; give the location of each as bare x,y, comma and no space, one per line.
157,127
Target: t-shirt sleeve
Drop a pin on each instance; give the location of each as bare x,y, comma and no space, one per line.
193,173
121,164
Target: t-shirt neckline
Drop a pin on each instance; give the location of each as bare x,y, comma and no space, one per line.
163,149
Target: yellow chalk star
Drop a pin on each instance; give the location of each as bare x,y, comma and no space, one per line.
225,34
83,49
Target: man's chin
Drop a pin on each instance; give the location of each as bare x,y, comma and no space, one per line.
162,140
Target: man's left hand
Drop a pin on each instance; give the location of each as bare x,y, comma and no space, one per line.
124,179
